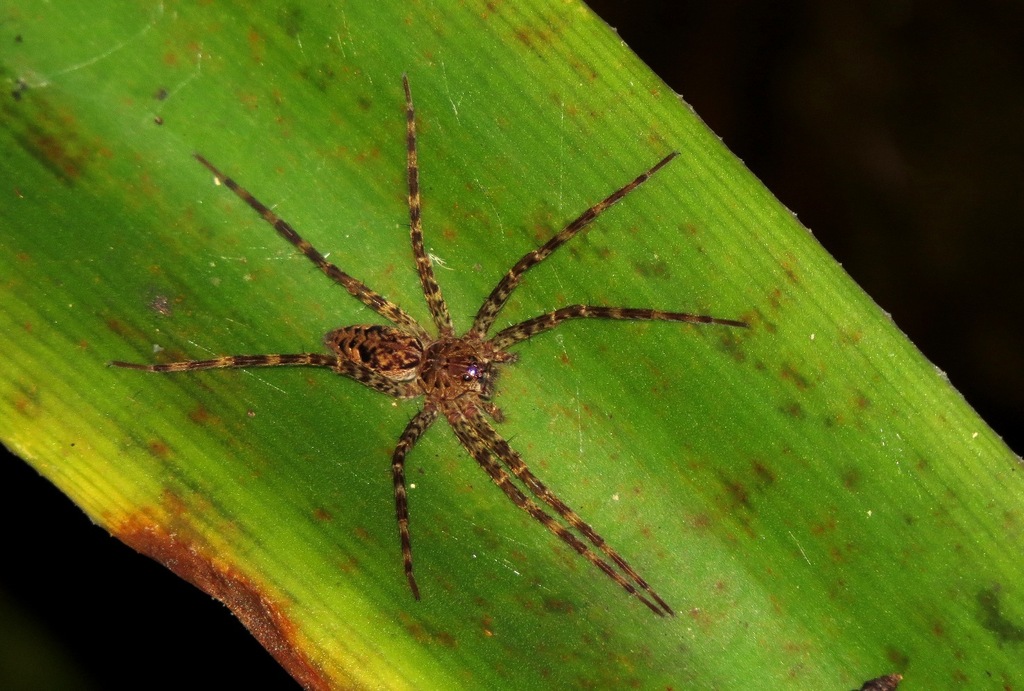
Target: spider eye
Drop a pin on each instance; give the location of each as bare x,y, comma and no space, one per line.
472,373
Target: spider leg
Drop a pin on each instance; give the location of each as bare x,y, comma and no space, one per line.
346,368
413,431
359,290
514,462
477,447
496,300
546,322
431,290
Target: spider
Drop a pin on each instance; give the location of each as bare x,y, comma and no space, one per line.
454,374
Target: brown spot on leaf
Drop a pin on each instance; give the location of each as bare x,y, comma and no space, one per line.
852,479
201,416
117,327
700,521
993,619
851,337
737,492
763,473
861,401
322,514
424,635
23,405
732,347
524,37
657,268
556,605
195,562
790,373
789,268
170,58
793,409
829,525
898,658
256,45
349,565
62,159
249,100
158,448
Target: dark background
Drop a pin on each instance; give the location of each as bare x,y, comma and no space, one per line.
894,129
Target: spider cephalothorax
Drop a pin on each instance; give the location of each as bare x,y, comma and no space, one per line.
455,374
459,369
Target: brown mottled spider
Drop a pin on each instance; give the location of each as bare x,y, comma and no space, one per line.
454,374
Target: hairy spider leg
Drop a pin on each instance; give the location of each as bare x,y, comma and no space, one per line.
431,290
545,322
342,366
496,300
225,361
515,463
413,431
477,447
359,290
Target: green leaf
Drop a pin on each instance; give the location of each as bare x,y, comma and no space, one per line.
812,497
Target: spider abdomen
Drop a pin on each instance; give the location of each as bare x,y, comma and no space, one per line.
391,352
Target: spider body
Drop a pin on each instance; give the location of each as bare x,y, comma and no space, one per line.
454,374
445,371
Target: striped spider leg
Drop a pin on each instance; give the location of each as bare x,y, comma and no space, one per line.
454,375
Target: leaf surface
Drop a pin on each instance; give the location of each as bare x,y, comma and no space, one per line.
813,498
